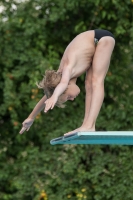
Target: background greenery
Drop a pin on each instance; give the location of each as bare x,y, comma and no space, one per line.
33,37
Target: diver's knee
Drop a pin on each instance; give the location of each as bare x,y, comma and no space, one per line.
97,81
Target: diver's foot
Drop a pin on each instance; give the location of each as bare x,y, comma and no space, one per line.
81,129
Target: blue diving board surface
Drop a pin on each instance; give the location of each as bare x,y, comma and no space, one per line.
100,137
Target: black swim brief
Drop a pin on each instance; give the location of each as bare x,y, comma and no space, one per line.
101,33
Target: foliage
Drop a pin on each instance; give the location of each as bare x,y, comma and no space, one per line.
33,36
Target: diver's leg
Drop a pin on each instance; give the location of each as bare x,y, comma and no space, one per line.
88,90
100,67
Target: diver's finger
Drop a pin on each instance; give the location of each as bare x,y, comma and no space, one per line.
22,130
47,107
52,105
28,129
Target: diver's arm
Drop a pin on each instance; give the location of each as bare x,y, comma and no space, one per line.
38,108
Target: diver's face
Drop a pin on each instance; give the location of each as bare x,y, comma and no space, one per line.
71,93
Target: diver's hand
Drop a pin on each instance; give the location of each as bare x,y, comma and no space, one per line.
26,125
50,103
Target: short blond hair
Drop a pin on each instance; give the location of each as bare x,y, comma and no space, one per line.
49,82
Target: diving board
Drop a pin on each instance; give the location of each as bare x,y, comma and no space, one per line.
100,137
